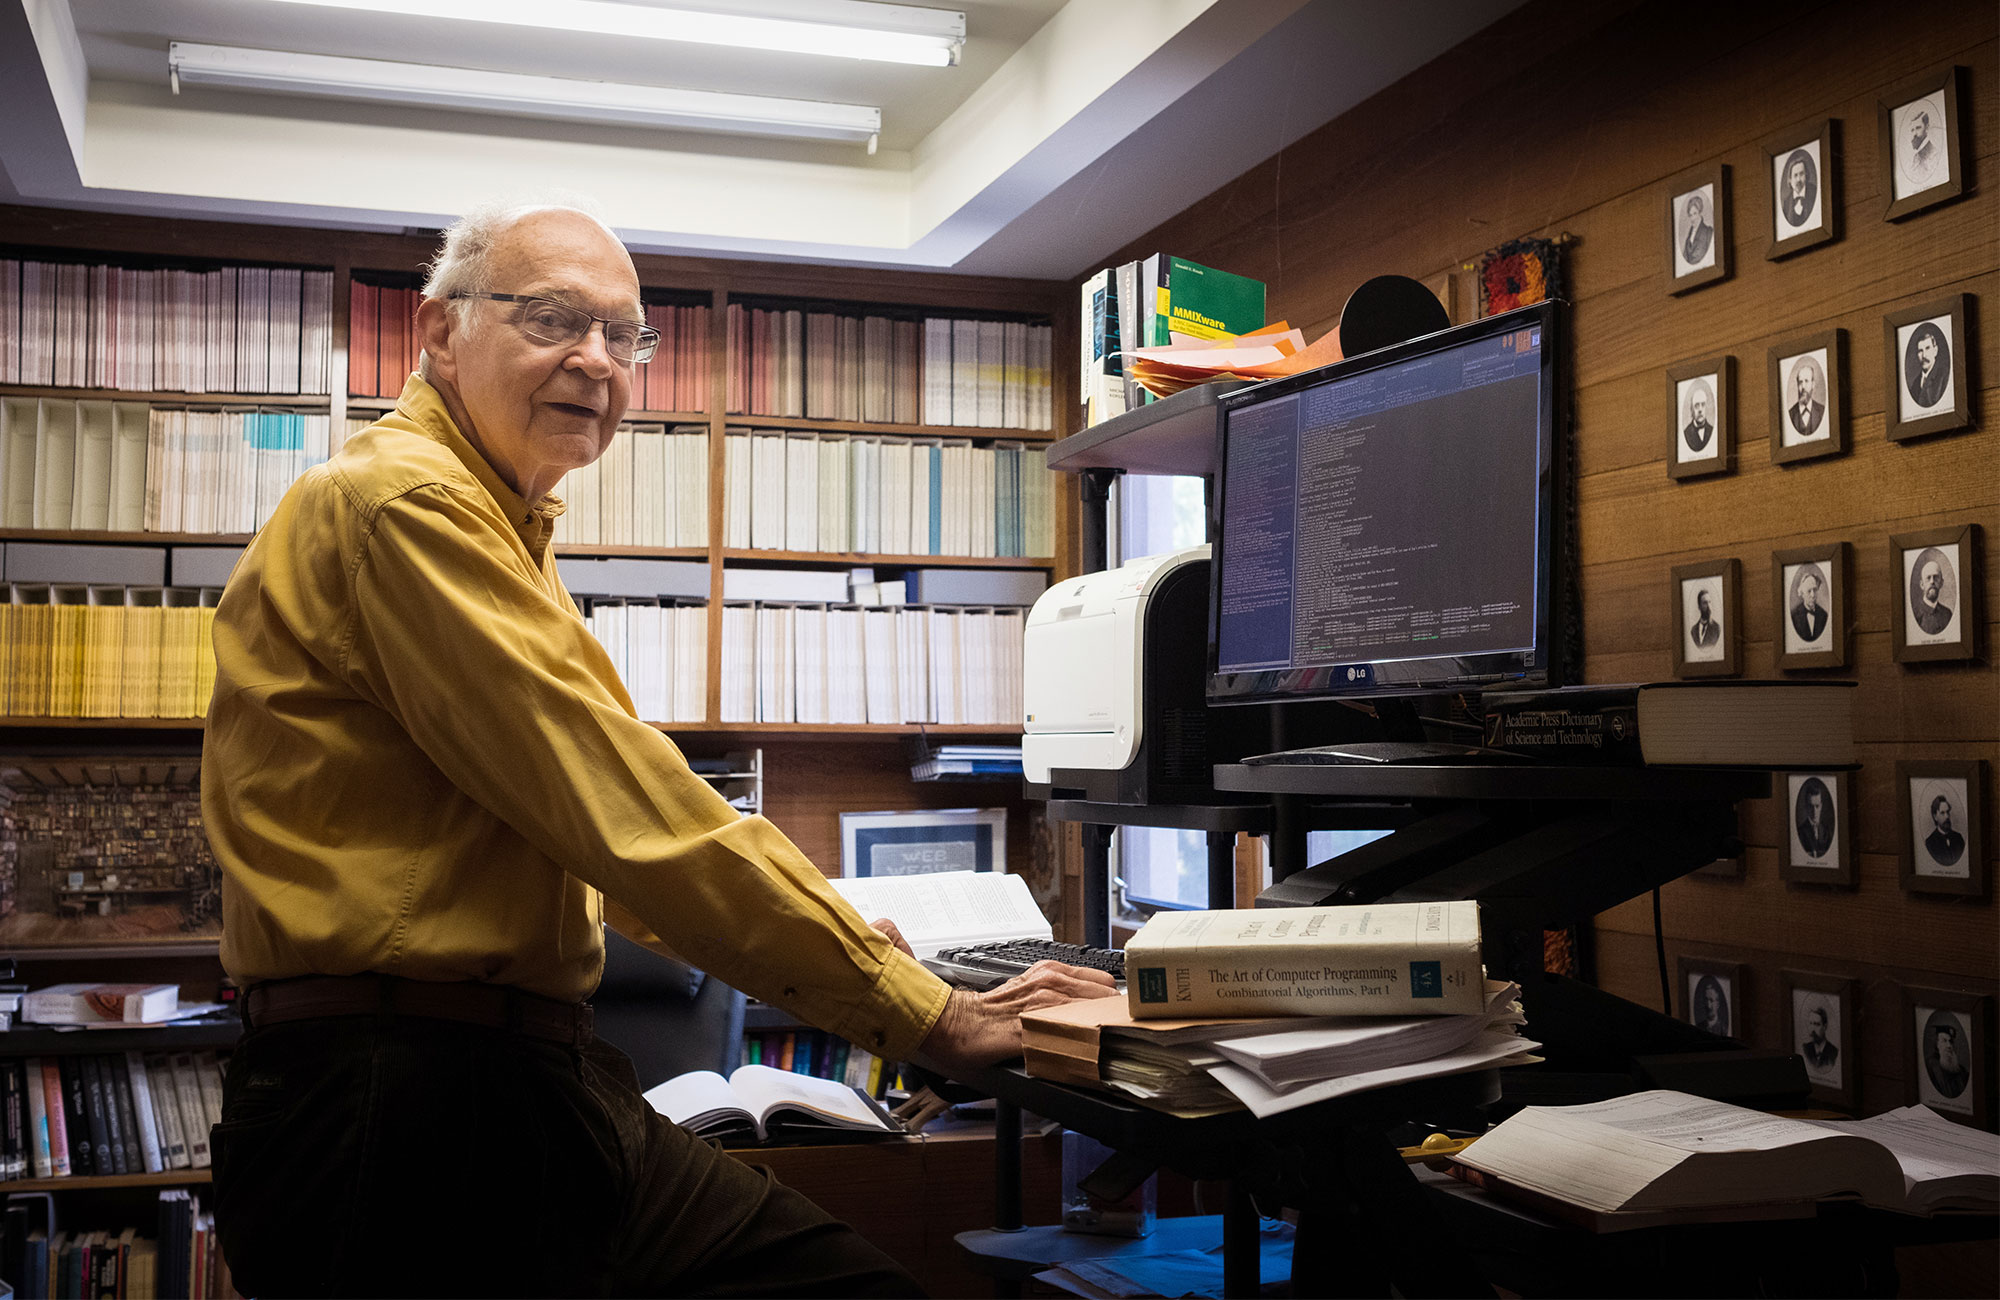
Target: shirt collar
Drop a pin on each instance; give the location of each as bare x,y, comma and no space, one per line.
423,406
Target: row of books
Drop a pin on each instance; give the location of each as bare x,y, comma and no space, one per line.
661,653
126,466
821,1055
236,329
184,1260
106,652
910,663
649,488
1146,303
882,495
943,371
110,1113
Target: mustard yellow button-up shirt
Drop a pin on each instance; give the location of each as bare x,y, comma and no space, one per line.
419,762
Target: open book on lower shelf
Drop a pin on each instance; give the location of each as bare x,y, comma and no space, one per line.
1664,1157
758,1103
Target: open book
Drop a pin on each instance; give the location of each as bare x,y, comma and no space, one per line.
759,1103
1660,1156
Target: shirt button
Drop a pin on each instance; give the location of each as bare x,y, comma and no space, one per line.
878,1038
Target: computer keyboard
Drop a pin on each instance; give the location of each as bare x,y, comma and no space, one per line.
981,966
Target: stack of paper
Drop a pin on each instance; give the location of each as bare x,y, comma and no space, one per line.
1266,1064
1264,354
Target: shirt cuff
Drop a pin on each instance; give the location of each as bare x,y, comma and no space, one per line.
898,1013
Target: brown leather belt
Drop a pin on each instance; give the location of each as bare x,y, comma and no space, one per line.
495,1006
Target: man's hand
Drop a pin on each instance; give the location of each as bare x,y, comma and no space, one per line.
888,927
978,1029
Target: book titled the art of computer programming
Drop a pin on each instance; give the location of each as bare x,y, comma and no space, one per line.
1377,959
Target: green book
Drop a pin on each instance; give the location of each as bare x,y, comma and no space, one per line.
1201,301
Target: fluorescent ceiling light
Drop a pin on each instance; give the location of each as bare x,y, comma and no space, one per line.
517,94
848,29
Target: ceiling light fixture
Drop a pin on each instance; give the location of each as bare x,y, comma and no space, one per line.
516,94
850,29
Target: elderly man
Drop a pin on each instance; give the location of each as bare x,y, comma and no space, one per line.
427,789
1932,615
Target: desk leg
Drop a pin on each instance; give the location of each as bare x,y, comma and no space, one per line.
1242,1274
1006,1182
1221,870
1097,885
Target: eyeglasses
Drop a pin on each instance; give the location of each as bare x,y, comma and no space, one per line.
557,322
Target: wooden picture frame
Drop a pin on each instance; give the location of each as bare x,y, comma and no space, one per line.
1808,387
1820,1013
1818,812
1947,1053
1802,187
1701,392
1943,845
1935,619
1927,353
1923,145
1697,213
1699,979
1707,618
1809,606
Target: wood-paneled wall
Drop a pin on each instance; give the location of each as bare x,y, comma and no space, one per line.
1568,118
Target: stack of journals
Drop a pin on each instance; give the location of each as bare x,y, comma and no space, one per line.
649,488
660,650
911,663
239,329
1276,1009
888,496
105,652
1149,303
827,365
966,763
127,467
676,379
382,342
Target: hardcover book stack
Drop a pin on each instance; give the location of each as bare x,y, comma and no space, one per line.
649,488
839,493
382,342
106,652
1147,303
234,329
126,466
182,1261
825,365
95,1114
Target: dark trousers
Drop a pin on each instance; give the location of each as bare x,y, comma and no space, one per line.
406,1156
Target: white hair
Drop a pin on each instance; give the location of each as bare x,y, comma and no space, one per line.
462,259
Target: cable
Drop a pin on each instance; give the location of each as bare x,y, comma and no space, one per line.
1660,951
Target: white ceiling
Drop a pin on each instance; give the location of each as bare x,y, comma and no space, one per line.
1069,127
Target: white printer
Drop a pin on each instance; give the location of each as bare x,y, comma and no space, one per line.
1115,666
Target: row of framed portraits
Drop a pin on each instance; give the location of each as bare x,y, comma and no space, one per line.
1933,597
1945,1035
1941,849
1922,165
1927,354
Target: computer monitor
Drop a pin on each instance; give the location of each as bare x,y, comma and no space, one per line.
1391,524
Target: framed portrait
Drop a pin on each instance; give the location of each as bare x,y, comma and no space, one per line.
1801,167
1809,606
1708,636
1822,1010
1926,355
1948,1037
1934,602
1712,995
1697,203
1808,381
1701,417
1943,846
923,843
1818,832
1922,145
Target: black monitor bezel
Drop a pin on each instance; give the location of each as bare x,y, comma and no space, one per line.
1453,674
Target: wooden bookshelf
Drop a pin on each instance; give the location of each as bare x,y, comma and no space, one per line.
903,561
294,401
836,730
128,539
102,1182
799,424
